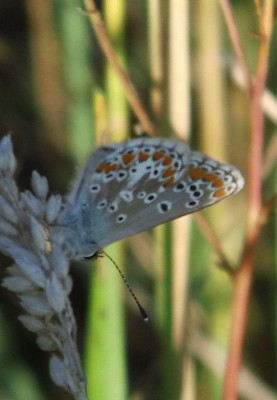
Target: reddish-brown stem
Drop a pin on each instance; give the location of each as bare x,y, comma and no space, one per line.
242,286
236,42
243,276
106,46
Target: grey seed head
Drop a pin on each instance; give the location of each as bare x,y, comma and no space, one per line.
38,234
39,185
33,204
53,208
7,158
55,293
35,304
30,265
7,211
59,262
18,284
33,324
58,371
46,343
7,229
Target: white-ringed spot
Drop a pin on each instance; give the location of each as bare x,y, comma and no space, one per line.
113,207
192,204
220,173
121,218
121,175
150,197
197,194
109,177
141,195
95,188
228,179
179,187
192,188
102,204
164,206
126,195
133,170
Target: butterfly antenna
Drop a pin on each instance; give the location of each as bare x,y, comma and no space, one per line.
141,309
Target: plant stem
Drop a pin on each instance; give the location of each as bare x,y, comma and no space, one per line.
106,46
244,274
236,42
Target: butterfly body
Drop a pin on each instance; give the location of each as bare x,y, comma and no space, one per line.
132,186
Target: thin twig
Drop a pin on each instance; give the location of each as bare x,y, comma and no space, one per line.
269,100
256,138
215,242
236,42
106,46
259,12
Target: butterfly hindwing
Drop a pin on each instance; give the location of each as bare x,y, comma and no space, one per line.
135,185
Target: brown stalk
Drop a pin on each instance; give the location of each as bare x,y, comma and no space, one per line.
255,218
242,286
106,46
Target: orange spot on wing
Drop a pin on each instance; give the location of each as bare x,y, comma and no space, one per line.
210,177
127,158
143,156
218,183
169,182
106,167
168,172
220,193
196,173
167,160
158,155
99,169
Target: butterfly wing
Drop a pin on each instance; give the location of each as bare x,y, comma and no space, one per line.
135,185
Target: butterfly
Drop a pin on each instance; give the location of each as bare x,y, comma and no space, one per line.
131,186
